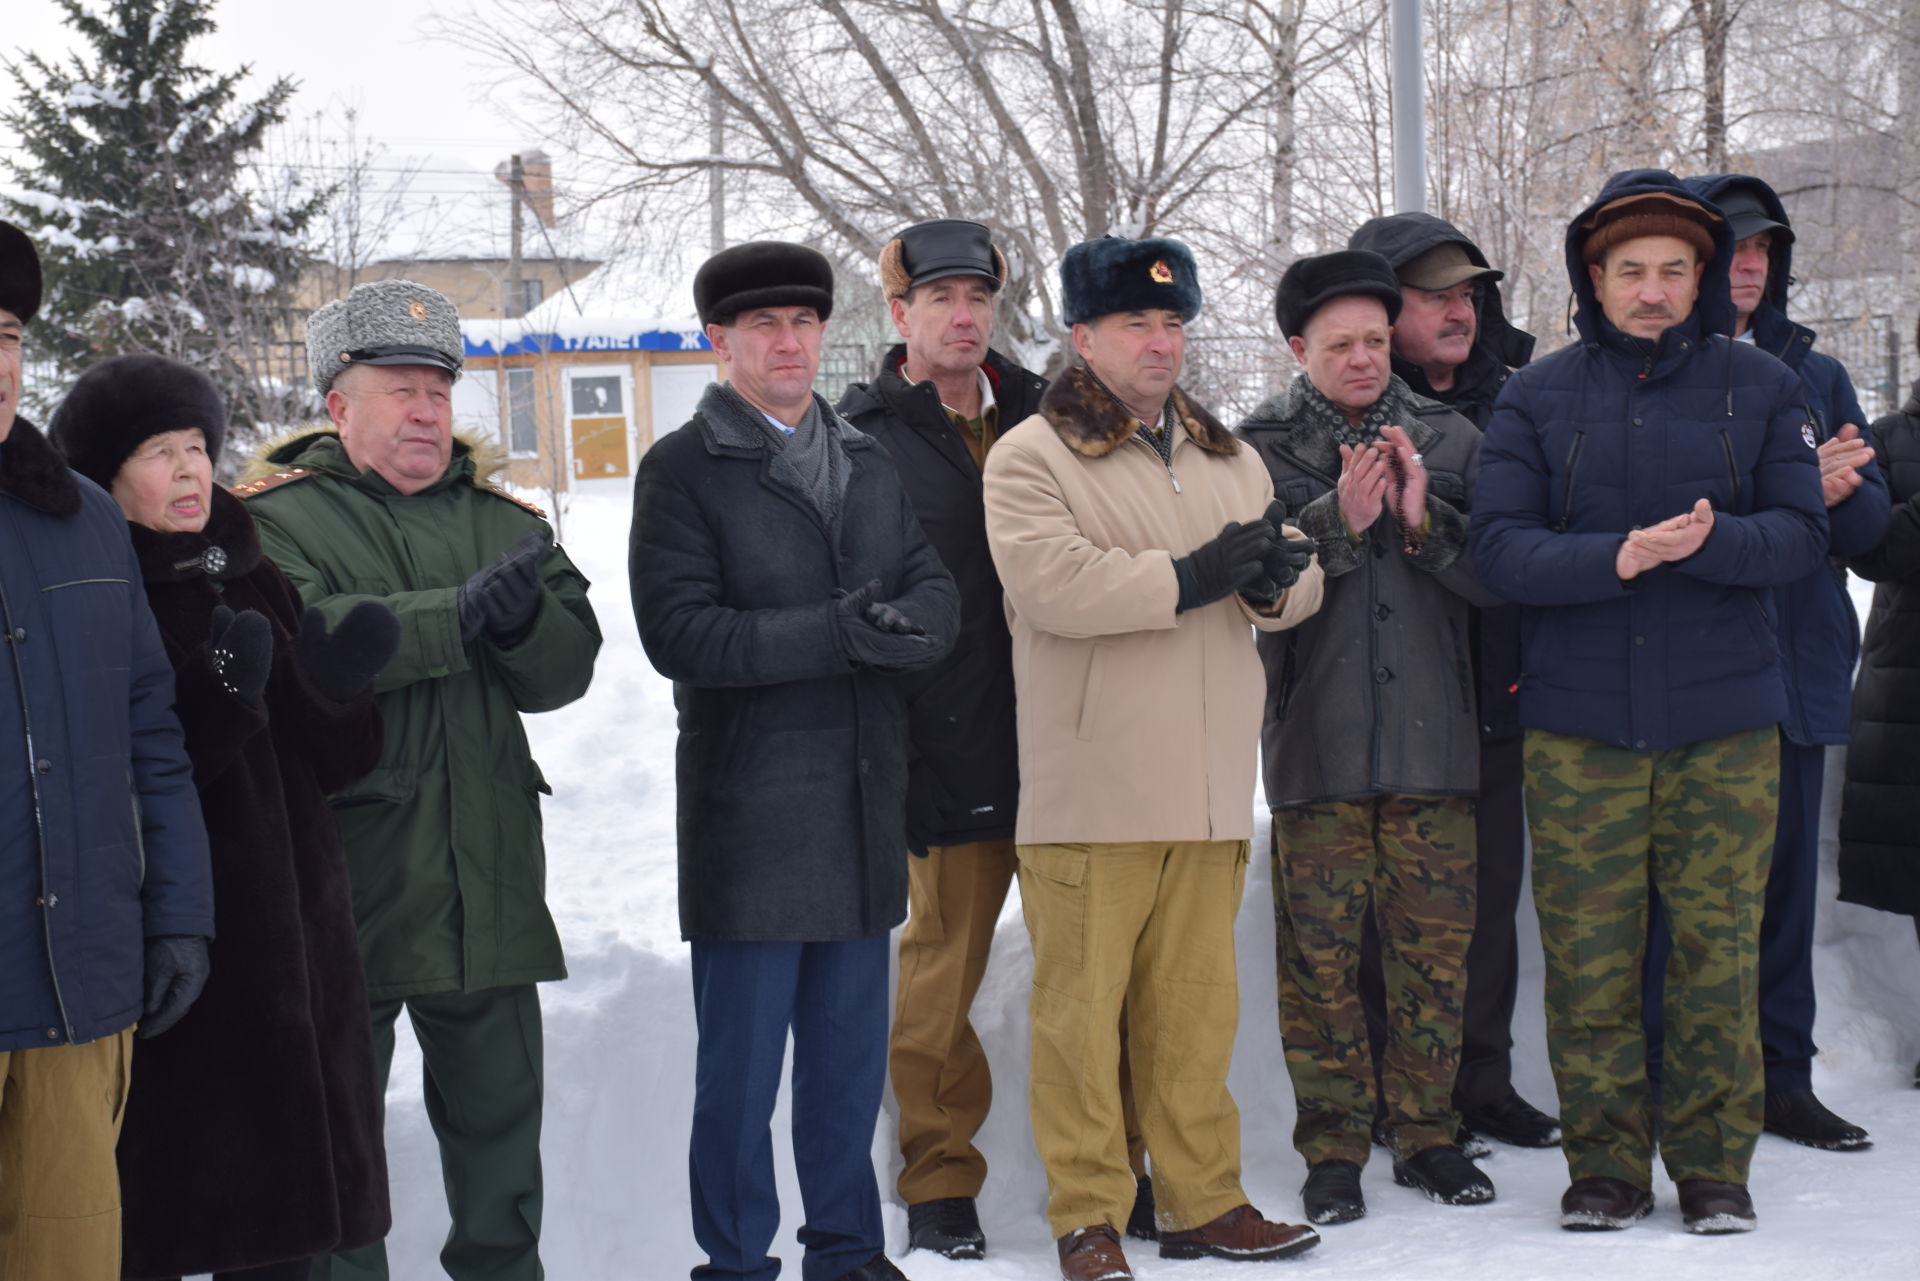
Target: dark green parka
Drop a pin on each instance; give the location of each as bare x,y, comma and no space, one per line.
443,837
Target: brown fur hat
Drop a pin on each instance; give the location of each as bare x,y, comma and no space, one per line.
1651,214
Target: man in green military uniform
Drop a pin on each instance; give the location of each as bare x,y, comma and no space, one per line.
443,839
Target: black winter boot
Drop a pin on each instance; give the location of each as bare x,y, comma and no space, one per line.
1513,1121
1141,1225
1445,1175
1800,1116
1332,1193
947,1226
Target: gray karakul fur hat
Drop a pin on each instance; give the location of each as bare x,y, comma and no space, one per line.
762,273
384,322
1100,277
123,401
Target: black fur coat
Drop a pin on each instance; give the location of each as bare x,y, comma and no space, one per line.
253,1128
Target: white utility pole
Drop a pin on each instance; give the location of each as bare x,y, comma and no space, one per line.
1409,108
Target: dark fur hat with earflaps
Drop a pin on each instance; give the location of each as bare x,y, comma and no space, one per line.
1101,277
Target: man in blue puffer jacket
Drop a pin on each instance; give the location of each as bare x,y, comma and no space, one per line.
106,901
1819,637
1641,493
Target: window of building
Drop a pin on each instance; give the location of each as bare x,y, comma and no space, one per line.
520,297
523,436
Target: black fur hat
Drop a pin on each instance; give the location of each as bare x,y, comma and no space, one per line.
124,400
1100,277
19,273
762,273
1309,284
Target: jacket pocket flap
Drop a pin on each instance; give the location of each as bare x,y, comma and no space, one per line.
392,784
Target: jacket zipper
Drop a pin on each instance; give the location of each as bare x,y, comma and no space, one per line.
1166,462
1733,471
47,901
1566,491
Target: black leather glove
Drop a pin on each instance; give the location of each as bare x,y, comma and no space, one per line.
1218,568
874,633
240,651
339,665
502,598
176,972
1285,561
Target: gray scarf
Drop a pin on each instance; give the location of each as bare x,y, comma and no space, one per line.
1394,407
811,459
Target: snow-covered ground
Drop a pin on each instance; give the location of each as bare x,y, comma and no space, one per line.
619,1060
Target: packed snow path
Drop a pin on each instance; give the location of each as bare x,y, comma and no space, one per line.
619,1054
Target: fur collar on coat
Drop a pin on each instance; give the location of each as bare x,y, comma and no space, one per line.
1094,424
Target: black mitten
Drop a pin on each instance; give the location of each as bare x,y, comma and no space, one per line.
240,651
340,664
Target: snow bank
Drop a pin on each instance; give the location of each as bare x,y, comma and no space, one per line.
620,1069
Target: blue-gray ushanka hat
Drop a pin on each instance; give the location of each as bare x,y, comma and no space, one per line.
384,322
1100,277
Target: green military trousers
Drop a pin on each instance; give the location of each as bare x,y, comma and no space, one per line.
484,1086
1697,823
1409,860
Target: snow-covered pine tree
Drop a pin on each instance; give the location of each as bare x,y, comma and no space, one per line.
134,178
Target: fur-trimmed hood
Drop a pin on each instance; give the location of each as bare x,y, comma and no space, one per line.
281,452
1093,424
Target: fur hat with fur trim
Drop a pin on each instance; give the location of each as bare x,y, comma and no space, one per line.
1308,284
929,251
1654,213
762,273
121,402
1100,277
19,273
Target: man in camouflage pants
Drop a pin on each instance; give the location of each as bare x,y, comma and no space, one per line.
1370,744
1640,491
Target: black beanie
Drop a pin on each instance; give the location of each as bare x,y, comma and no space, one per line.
1311,283
124,400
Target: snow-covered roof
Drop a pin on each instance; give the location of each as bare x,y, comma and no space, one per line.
429,207
618,307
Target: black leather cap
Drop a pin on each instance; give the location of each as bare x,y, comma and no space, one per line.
949,247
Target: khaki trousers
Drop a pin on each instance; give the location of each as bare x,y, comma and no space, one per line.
941,1079
60,1110
1146,925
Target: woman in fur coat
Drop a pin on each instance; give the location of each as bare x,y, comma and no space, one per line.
252,1136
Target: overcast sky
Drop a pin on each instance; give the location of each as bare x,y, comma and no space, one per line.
414,94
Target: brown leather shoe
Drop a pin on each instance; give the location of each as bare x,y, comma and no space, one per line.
1711,1208
1240,1233
1601,1204
1093,1254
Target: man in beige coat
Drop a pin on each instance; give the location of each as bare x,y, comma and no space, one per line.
1134,537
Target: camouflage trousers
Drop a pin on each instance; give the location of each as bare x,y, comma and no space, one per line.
1696,822
1410,861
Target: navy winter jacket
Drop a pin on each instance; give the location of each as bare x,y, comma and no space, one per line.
101,844
1813,618
1613,433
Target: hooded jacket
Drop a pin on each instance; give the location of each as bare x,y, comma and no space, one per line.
1879,839
1813,618
963,778
101,842
443,836
1137,722
1499,347
1615,432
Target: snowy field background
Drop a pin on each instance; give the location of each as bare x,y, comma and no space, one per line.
619,1054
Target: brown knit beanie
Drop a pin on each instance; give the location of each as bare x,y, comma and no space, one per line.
1651,214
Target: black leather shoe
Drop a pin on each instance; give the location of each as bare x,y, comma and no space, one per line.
1445,1175
1513,1121
878,1268
1798,1115
1599,1204
947,1226
1141,1225
1332,1193
1711,1208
